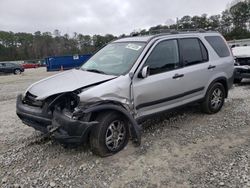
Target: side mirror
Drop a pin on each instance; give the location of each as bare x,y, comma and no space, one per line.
144,73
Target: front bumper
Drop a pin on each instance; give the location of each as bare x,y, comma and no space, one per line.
242,72
35,117
63,128
69,130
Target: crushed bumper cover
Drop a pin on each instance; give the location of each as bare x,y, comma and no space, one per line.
35,117
61,127
68,130
242,72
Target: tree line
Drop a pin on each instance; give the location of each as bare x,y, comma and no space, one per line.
233,23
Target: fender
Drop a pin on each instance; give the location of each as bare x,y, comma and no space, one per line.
135,129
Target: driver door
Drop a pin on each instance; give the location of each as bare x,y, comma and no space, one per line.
162,89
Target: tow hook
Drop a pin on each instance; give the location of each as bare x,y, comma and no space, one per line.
52,129
46,136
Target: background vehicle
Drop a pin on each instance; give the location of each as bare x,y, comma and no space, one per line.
30,64
11,68
242,63
127,81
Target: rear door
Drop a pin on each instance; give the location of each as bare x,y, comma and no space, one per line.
195,68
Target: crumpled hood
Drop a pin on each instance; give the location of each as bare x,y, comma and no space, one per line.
65,82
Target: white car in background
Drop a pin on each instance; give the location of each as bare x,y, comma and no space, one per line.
242,63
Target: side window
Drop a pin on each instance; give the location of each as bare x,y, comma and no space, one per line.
9,65
164,57
218,45
193,51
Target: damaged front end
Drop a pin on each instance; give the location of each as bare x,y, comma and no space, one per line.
61,117
242,68
54,116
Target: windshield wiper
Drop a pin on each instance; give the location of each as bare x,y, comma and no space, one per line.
95,70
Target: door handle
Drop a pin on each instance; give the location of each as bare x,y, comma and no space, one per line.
211,67
178,76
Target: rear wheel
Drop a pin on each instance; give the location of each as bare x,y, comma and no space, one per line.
214,99
111,135
17,71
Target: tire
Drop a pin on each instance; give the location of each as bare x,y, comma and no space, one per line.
214,99
101,140
17,71
237,80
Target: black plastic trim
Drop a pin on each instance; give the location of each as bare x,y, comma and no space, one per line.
29,114
70,131
143,105
143,118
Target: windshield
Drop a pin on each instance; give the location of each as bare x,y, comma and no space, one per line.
115,58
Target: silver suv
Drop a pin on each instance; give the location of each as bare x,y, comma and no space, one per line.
125,82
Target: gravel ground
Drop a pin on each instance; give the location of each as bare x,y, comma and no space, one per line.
180,149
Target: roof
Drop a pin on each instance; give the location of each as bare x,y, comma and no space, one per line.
241,52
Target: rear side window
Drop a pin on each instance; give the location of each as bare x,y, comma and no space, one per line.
193,51
218,45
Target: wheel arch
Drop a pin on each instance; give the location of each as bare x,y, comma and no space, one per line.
135,130
223,81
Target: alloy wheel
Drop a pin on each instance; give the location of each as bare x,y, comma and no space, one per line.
115,135
217,98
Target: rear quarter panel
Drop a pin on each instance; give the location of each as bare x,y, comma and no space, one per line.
224,65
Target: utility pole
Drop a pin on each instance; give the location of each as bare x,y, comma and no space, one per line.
177,24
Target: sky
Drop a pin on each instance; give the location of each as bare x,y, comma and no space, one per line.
99,16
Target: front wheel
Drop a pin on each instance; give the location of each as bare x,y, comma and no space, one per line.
17,71
111,135
214,99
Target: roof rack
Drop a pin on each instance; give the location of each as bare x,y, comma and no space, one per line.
164,32
171,31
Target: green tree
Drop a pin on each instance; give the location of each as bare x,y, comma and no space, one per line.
200,22
240,14
185,22
226,22
214,22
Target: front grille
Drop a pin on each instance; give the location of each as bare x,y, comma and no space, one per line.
243,61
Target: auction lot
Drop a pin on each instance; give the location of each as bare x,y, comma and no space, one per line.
185,148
